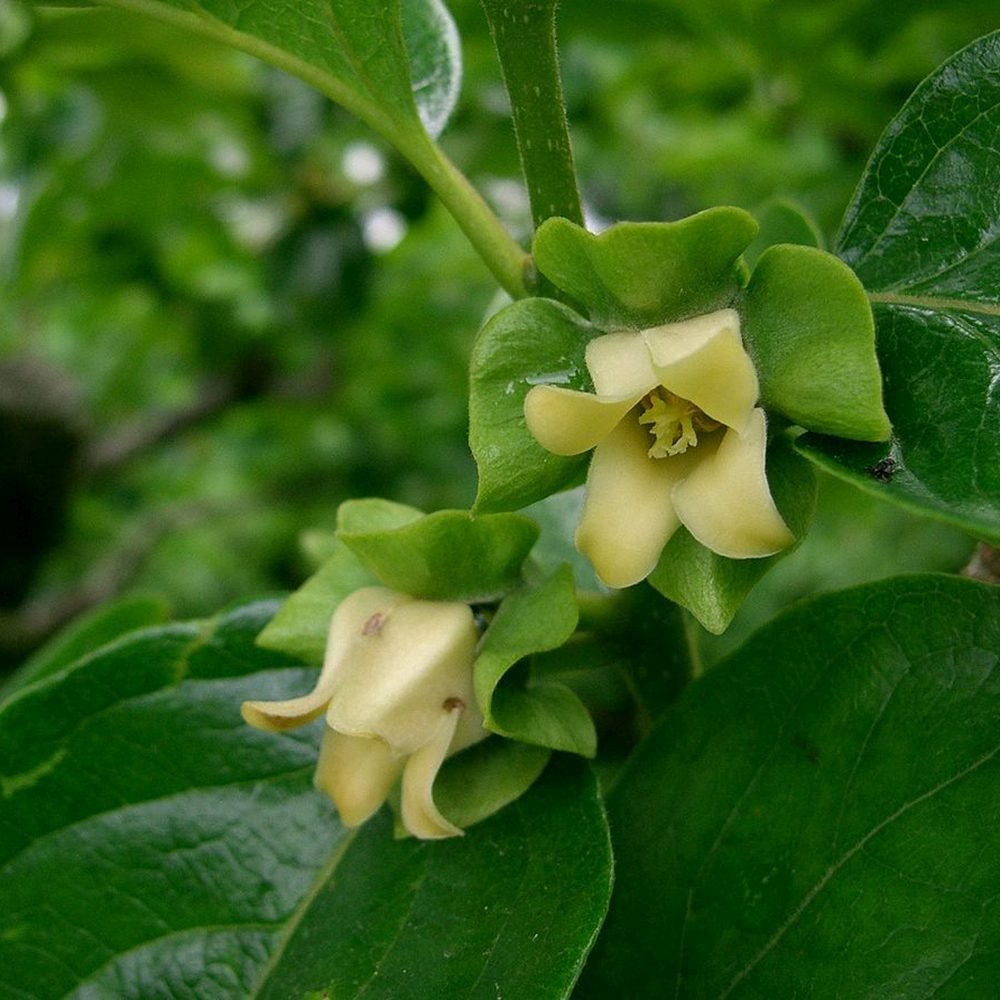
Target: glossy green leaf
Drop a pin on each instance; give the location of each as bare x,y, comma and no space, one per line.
818,811
508,910
86,635
809,329
640,274
713,587
300,627
449,555
921,233
531,342
151,840
357,52
480,781
515,704
435,56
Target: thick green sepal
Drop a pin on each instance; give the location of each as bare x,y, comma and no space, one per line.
514,704
481,780
301,625
449,555
641,274
713,587
532,342
809,329
371,515
782,220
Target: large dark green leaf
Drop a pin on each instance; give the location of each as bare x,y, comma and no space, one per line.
509,910
358,52
923,234
151,844
817,815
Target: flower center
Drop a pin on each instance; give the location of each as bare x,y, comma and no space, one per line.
673,423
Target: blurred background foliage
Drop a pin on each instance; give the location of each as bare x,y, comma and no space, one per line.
225,307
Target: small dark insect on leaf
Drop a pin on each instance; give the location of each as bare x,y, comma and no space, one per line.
806,747
883,470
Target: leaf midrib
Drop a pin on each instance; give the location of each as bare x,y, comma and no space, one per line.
934,303
838,865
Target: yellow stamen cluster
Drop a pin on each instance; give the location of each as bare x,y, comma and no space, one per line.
673,423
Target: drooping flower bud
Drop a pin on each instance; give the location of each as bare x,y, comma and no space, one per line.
396,687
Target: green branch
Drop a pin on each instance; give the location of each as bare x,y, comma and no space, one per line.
524,32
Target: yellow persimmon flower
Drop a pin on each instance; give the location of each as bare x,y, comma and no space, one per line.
677,438
396,687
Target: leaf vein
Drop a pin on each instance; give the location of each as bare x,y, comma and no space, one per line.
835,868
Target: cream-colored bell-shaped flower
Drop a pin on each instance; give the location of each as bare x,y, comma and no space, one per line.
396,687
678,439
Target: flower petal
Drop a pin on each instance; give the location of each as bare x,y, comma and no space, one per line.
726,502
619,365
703,360
628,515
347,624
417,660
420,815
356,773
567,422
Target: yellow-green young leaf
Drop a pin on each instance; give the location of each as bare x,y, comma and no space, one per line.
921,234
393,63
818,812
509,910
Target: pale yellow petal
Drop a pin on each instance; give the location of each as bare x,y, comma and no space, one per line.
726,502
403,673
356,773
619,365
420,815
567,422
347,625
628,515
703,360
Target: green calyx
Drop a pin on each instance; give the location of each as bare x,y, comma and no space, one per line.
641,274
809,328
